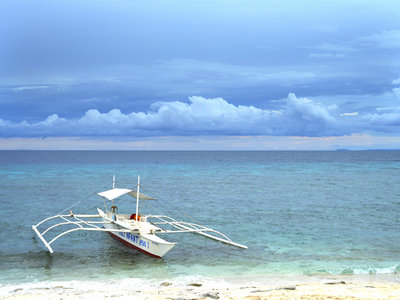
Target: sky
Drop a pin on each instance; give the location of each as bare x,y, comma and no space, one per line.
200,75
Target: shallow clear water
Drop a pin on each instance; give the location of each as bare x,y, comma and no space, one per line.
298,212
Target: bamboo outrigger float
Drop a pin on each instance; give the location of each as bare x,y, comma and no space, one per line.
136,231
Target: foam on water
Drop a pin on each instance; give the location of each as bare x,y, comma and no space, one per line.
394,270
197,286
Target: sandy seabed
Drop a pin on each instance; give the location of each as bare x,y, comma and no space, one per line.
263,287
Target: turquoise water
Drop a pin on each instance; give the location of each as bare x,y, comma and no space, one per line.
298,212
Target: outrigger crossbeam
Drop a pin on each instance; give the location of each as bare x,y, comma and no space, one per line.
83,222
183,227
80,224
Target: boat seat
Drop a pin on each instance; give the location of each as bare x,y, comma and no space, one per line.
133,217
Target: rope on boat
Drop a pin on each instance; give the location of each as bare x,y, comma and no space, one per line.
173,213
69,207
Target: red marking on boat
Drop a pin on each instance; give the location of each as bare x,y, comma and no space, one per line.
132,246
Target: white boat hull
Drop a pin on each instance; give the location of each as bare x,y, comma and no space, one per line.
146,243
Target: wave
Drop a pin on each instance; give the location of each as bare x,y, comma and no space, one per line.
360,271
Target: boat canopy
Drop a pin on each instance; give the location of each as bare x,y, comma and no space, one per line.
115,193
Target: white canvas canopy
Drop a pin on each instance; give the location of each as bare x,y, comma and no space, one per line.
115,193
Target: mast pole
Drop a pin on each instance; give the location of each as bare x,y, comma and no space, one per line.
137,199
112,202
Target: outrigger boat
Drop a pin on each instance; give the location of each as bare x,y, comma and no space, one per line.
134,230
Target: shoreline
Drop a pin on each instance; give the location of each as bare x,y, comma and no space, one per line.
192,287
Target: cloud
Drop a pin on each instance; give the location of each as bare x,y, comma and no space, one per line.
327,55
30,87
331,50
296,116
387,39
387,119
200,115
335,47
396,91
389,122
210,73
349,114
384,39
304,117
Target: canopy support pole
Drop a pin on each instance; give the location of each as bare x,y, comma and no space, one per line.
137,199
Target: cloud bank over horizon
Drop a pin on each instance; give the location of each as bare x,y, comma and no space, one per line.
295,116
331,69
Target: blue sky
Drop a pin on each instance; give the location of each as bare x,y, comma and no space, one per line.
199,74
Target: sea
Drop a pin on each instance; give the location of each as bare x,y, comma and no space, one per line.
301,213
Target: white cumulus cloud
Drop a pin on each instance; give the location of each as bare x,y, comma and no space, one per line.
297,116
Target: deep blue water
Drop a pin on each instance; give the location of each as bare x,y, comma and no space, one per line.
298,212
